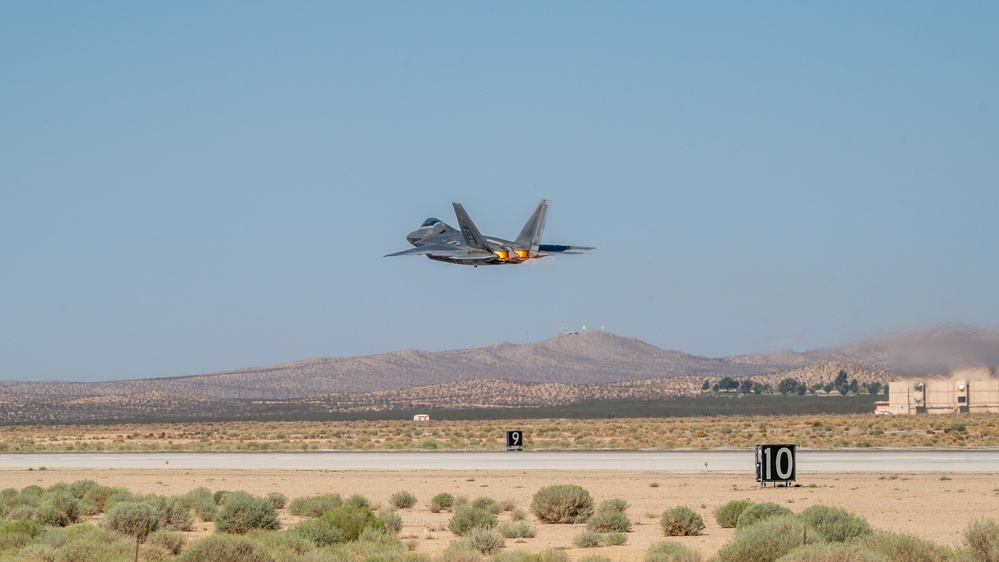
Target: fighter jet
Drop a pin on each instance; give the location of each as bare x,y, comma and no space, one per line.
466,246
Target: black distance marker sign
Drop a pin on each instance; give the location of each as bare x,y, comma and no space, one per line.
514,440
775,463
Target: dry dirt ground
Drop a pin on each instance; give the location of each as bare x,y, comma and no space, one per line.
934,506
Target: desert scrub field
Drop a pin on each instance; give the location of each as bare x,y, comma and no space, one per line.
819,432
84,521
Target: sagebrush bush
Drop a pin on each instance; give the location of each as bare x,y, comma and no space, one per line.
517,530
588,539
832,552
488,504
671,551
615,539
277,499
241,514
351,520
80,487
834,524
592,558
614,504
18,533
681,521
467,518
562,503
319,533
728,515
608,521
201,502
393,521
225,548
441,502
486,541
59,508
171,541
314,506
174,516
357,500
402,499
897,547
133,519
982,539
759,512
284,544
764,541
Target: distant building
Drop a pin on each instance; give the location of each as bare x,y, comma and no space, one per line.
944,397
421,417
882,408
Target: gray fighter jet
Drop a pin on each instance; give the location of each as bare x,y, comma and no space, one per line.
466,246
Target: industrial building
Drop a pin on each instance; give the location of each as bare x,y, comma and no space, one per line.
969,391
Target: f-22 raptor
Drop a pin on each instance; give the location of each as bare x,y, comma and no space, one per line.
466,246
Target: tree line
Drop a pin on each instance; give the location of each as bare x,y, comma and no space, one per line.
842,384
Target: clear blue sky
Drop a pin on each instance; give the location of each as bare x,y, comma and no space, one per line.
197,186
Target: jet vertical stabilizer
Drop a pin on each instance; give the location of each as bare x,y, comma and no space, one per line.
471,234
530,236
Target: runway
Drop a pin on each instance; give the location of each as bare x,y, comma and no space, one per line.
838,461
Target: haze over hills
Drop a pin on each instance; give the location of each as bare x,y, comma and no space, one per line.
589,357
564,369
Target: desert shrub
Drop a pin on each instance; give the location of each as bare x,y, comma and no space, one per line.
402,499
18,533
488,504
285,544
551,555
608,522
671,551
982,539
615,539
50,515
441,502
241,514
588,539
508,504
350,520
517,530
319,533
467,518
393,521
681,521
728,515
562,503
461,551
897,547
277,499
833,524
760,511
171,541
486,541
59,509
518,514
80,487
38,553
357,500
614,504
96,549
314,506
765,541
30,495
832,552
118,495
201,502
174,516
95,498
133,519
153,553
225,548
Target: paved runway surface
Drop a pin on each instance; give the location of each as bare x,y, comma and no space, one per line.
663,461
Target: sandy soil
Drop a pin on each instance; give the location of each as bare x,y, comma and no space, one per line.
933,506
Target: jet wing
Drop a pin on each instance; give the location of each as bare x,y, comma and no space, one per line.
445,251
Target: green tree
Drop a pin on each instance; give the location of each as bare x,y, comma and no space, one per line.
706,385
874,388
746,386
728,383
787,385
757,388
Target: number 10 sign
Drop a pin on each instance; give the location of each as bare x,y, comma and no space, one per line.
775,463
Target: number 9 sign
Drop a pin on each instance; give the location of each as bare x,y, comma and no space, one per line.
514,440
775,463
